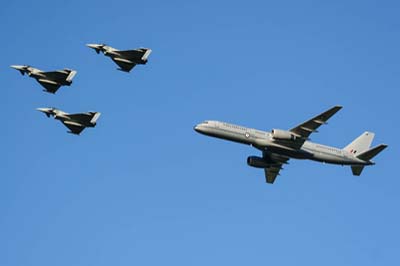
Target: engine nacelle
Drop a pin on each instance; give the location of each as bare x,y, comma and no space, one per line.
257,162
282,134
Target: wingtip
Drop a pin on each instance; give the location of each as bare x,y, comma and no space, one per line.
123,70
73,133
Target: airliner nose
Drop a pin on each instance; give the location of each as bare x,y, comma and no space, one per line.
196,128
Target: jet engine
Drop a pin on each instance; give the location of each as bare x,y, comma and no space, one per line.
282,134
257,162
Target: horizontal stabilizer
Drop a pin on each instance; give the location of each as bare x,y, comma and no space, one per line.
367,156
371,153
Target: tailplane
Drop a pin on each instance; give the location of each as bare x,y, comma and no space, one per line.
360,144
367,156
371,153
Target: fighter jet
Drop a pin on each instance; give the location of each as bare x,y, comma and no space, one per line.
52,80
126,60
75,122
278,146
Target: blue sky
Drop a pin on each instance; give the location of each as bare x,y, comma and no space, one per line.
143,188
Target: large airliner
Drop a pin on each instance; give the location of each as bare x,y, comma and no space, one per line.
278,146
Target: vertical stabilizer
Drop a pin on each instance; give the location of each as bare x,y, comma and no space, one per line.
95,117
71,76
360,144
146,55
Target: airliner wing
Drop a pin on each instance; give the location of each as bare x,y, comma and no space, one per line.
304,130
272,171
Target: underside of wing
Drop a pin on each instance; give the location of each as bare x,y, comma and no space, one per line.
74,128
275,166
124,66
304,130
271,173
49,86
57,75
133,54
83,118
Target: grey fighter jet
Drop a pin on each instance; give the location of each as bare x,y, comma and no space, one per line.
126,60
52,80
278,146
75,122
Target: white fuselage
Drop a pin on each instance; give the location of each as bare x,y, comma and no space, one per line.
264,141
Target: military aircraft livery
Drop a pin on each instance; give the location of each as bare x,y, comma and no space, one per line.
278,146
75,122
52,80
126,60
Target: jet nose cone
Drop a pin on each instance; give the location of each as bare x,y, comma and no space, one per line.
18,67
47,111
44,110
94,45
197,128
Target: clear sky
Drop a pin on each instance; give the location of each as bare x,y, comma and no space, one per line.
143,188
